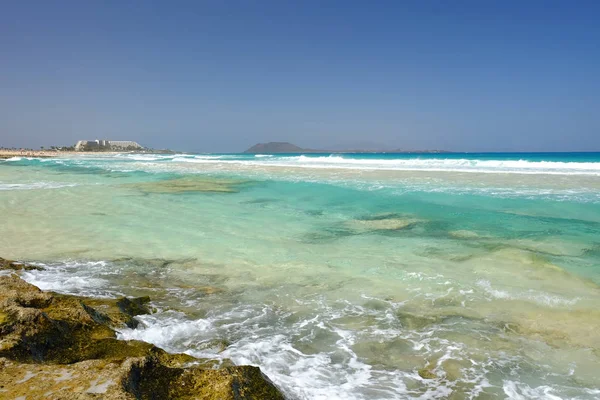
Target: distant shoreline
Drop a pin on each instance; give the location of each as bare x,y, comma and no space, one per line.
7,154
4,154
286,147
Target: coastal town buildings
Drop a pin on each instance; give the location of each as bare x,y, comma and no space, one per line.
97,144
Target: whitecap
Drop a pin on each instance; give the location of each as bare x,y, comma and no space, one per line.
520,391
35,186
545,299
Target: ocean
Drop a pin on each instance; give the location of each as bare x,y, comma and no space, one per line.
342,276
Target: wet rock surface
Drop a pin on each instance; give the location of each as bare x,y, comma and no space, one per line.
16,266
56,346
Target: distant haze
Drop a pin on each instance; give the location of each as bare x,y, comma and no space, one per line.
222,76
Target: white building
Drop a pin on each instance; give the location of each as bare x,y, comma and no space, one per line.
103,144
123,144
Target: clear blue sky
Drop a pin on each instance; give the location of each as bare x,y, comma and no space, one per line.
223,75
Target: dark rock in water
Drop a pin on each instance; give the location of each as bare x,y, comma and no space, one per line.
260,201
218,345
149,379
381,216
133,307
16,266
43,327
154,263
426,374
326,235
121,311
389,353
415,321
130,379
64,347
315,213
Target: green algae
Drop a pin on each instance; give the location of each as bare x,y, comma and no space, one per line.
73,342
135,306
17,266
426,374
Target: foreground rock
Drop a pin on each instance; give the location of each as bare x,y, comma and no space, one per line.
64,347
17,266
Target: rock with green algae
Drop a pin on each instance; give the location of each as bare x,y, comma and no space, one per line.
42,327
131,378
17,266
64,347
120,311
426,374
149,379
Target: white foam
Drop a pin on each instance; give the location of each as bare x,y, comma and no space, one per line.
167,331
520,391
414,164
541,298
330,366
35,186
338,373
200,159
210,157
77,278
145,157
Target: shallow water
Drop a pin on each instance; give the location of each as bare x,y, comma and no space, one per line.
340,276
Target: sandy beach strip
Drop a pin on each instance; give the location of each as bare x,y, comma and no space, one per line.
5,153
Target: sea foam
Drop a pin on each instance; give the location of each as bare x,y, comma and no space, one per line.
35,186
412,164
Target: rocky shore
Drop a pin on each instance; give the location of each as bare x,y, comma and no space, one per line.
55,346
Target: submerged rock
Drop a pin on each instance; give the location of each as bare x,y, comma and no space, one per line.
64,347
188,185
218,345
426,374
464,234
382,222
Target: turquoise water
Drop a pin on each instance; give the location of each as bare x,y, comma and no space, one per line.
341,276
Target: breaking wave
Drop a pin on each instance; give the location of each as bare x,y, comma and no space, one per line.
410,164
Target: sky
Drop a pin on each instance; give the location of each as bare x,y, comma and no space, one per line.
220,76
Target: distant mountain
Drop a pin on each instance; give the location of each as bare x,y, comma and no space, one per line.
275,147
285,147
